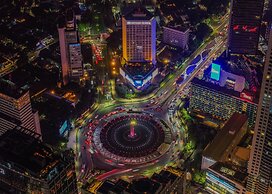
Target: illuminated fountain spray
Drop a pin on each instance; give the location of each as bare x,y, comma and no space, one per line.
132,133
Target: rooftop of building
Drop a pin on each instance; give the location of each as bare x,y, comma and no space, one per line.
6,59
229,65
70,15
164,177
10,89
138,13
241,155
106,187
248,67
177,26
169,9
122,185
23,149
55,112
231,171
169,53
142,185
224,138
139,70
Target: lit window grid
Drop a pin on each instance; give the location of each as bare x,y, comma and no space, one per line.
176,38
219,104
260,163
20,109
139,35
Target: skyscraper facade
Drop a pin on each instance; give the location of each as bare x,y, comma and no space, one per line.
220,102
244,27
139,36
15,108
70,49
260,163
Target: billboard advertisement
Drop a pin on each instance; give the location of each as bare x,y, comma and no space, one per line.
215,72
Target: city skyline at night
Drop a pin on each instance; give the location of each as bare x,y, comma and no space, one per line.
136,97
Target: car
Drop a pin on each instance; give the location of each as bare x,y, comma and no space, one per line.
108,161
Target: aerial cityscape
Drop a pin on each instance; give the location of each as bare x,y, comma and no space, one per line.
135,97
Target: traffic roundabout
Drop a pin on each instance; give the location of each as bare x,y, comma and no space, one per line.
132,138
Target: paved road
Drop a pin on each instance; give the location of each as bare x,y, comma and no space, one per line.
162,97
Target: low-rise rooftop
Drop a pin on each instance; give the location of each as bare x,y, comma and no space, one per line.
139,13
22,149
155,184
225,137
178,27
140,70
10,89
231,171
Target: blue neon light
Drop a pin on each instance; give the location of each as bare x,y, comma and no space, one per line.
138,83
221,181
63,128
215,72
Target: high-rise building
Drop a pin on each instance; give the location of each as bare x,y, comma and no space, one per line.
260,163
29,166
15,108
176,35
139,36
244,27
139,47
70,49
220,102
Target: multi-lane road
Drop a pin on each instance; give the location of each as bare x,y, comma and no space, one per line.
161,98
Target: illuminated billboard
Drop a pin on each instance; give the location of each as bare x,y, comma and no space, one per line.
215,72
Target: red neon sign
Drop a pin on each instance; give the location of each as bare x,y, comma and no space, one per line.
246,96
253,29
236,27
